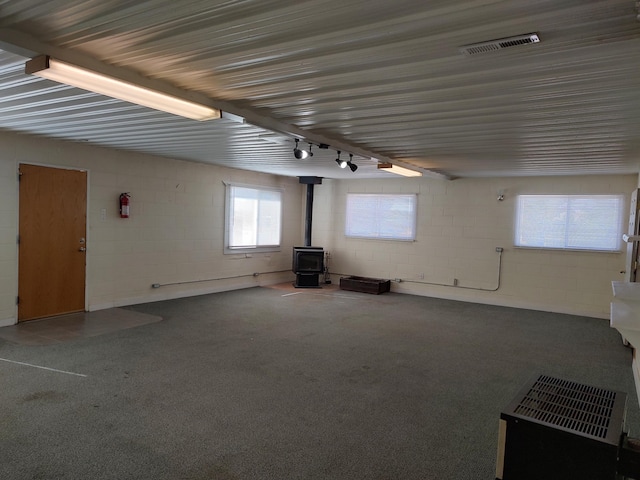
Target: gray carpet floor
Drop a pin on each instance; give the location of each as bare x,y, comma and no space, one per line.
268,384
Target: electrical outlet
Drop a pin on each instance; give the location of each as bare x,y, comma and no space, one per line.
499,249
421,276
397,280
455,282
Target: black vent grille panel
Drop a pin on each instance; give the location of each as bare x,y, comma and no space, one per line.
499,44
580,408
515,43
482,49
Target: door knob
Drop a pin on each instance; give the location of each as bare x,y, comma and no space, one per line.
82,249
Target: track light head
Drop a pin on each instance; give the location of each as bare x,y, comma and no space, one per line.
341,163
299,154
350,163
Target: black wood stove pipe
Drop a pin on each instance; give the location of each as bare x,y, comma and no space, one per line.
308,221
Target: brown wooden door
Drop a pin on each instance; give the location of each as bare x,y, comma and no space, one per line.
51,269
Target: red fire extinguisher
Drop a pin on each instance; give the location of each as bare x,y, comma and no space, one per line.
124,205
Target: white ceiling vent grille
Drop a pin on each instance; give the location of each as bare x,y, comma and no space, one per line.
499,44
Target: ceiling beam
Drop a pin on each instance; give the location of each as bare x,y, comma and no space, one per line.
28,46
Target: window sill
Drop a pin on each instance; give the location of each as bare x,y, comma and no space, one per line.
248,252
572,250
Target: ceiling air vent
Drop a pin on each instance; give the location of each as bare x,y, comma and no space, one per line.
499,44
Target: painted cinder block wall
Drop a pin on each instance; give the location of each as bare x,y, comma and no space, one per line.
460,223
174,234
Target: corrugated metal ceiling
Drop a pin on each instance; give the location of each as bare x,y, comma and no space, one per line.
375,78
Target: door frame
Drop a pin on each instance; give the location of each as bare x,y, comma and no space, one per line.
631,254
86,233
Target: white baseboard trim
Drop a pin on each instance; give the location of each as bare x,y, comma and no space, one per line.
165,293
492,300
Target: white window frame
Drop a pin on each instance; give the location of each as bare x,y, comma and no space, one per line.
228,223
572,205
376,216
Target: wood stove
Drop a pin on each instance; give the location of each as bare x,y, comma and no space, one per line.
308,264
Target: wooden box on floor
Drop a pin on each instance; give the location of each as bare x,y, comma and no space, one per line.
365,285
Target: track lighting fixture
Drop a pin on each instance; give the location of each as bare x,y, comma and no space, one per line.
352,165
299,154
346,163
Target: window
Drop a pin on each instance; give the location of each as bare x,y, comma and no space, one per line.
253,219
574,222
388,217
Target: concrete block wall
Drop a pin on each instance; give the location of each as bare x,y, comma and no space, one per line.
8,234
175,232
460,224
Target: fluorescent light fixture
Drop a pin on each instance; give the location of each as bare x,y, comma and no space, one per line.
405,172
47,67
